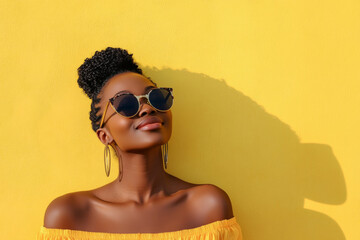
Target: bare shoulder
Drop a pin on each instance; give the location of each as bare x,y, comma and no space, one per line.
210,203
64,211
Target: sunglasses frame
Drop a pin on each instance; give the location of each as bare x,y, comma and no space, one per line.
138,97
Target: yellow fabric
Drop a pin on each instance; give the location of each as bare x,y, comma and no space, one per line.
227,229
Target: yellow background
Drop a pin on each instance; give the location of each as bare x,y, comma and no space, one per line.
266,106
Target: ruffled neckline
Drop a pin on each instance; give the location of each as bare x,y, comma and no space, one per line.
207,228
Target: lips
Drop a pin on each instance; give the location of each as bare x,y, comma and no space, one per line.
148,120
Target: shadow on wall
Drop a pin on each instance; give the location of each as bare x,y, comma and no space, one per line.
220,133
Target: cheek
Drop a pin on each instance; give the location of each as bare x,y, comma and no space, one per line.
122,130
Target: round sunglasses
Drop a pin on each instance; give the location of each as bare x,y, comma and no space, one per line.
128,104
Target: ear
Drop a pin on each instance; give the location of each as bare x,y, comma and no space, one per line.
104,136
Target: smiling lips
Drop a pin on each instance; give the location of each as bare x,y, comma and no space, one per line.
150,123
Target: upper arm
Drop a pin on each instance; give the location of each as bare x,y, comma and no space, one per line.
211,203
59,213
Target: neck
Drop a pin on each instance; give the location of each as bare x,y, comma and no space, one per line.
142,177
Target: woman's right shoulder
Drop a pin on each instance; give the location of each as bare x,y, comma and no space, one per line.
64,211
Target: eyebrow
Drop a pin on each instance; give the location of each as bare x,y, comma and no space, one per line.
126,91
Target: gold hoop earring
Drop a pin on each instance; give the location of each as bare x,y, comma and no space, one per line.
120,168
107,160
164,151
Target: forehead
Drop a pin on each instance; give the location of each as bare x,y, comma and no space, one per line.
128,81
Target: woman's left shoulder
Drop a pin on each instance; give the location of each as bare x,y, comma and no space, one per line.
211,201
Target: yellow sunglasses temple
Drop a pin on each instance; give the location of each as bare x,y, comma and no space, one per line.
103,116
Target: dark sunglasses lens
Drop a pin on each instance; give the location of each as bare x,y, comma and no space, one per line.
126,104
161,99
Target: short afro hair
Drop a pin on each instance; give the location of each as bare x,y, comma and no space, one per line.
97,70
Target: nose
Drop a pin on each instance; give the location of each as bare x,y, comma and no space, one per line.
145,108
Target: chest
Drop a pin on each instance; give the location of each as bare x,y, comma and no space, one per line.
170,214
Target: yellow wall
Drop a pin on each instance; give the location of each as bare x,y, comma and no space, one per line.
266,106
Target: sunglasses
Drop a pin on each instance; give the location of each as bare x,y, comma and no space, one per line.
128,104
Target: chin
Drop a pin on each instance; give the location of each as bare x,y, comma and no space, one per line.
151,144
142,145
145,141
153,138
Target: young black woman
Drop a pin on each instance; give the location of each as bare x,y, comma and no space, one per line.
130,114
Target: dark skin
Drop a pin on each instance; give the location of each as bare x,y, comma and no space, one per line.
147,199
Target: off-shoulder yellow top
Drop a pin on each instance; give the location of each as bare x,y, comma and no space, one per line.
227,229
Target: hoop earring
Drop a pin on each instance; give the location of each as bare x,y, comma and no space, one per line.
121,172
107,160
164,151
120,168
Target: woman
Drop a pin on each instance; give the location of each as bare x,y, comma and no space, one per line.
132,115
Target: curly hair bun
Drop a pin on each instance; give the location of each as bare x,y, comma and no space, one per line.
95,71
